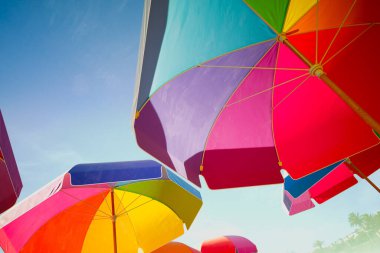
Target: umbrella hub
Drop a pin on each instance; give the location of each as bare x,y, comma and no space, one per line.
281,37
316,70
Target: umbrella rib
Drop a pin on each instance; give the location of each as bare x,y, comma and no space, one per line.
87,214
365,116
83,201
101,218
127,211
228,99
337,32
250,67
121,200
105,199
272,125
316,31
134,230
263,19
8,172
194,67
124,209
290,93
266,90
159,201
335,27
349,43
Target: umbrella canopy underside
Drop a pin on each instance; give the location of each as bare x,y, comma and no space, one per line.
239,105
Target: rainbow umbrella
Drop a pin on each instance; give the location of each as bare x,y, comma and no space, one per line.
238,90
329,182
104,207
175,247
10,179
229,244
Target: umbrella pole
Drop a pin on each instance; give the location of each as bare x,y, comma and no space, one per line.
361,174
316,69
347,99
113,222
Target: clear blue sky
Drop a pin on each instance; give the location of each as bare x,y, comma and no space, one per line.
67,72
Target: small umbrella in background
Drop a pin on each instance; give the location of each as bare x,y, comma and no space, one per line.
238,90
175,247
10,180
105,207
225,244
329,182
229,244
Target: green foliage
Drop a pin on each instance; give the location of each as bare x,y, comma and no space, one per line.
365,238
318,244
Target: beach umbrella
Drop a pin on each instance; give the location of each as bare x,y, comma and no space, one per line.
106,207
238,90
10,180
175,247
225,244
229,244
329,182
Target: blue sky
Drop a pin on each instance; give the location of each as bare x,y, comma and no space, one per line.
67,72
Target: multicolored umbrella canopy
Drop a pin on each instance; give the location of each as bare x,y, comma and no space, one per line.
105,207
229,244
175,247
238,90
10,180
329,182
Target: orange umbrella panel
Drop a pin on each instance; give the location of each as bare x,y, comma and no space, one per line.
176,247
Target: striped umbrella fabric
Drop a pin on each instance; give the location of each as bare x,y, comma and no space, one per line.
106,207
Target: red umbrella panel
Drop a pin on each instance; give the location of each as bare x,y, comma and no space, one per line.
10,180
